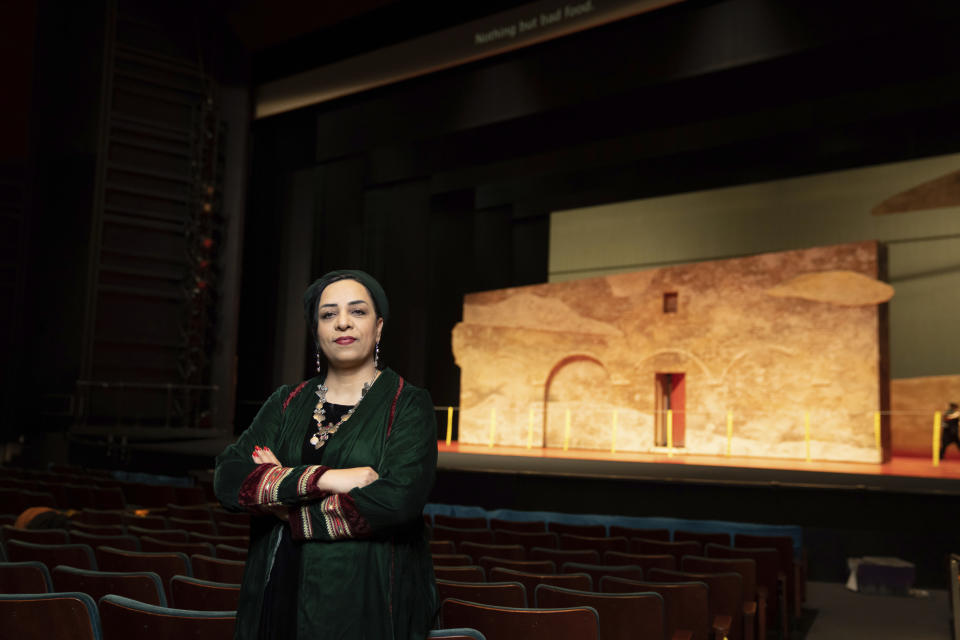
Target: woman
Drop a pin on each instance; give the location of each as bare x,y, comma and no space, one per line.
337,470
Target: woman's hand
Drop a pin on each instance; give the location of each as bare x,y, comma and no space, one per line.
343,480
263,455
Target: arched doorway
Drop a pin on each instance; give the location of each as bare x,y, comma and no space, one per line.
578,384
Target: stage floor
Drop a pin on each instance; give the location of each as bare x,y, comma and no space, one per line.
901,474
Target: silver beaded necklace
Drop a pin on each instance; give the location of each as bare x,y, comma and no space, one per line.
319,414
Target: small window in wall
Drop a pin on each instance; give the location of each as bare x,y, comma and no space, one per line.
670,302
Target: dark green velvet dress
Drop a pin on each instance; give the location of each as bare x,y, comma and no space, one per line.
366,570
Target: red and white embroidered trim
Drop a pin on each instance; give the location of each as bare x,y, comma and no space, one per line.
269,486
275,492
305,525
307,479
336,524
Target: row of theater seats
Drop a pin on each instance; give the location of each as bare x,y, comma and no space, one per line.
77,616
189,529
169,570
113,569
199,541
21,489
707,583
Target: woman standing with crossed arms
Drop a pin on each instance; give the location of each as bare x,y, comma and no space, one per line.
337,470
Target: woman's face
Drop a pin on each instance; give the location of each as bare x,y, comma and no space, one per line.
347,325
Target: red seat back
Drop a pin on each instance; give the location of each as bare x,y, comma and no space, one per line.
500,594
580,623
144,586
203,595
622,616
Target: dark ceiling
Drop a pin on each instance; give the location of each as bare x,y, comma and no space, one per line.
290,36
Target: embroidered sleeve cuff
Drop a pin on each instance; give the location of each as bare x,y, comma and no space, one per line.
270,486
307,483
334,518
259,489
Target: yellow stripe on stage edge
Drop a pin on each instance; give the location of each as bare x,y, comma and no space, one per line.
936,439
493,425
449,425
876,433
670,433
566,430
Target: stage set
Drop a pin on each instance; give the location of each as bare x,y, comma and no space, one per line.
752,389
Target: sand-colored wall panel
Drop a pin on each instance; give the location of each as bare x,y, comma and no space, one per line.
766,361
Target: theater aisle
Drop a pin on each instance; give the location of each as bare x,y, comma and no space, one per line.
842,615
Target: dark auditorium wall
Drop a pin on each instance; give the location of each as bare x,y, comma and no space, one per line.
442,185
52,110
61,129
17,46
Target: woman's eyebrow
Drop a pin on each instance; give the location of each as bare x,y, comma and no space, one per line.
334,304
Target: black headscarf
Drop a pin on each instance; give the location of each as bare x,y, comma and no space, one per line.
311,298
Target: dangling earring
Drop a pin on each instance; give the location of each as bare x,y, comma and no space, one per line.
318,360
376,356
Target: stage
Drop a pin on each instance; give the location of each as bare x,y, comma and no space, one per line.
901,474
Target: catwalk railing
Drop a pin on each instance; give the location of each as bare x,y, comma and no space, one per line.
143,404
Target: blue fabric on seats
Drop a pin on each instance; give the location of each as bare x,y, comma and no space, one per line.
460,511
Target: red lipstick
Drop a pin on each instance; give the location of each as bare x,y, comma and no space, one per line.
345,340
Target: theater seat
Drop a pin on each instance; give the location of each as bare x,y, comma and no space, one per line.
45,616
165,565
25,577
477,550
216,569
144,586
528,540
205,595
230,552
451,560
623,616
469,573
581,581
498,594
686,605
72,555
725,593
598,571
36,536
529,566
125,618
570,623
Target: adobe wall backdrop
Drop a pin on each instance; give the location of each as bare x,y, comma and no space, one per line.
768,338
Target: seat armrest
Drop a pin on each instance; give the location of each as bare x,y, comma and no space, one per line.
761,612
749,620
783,613
797,588
721,626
